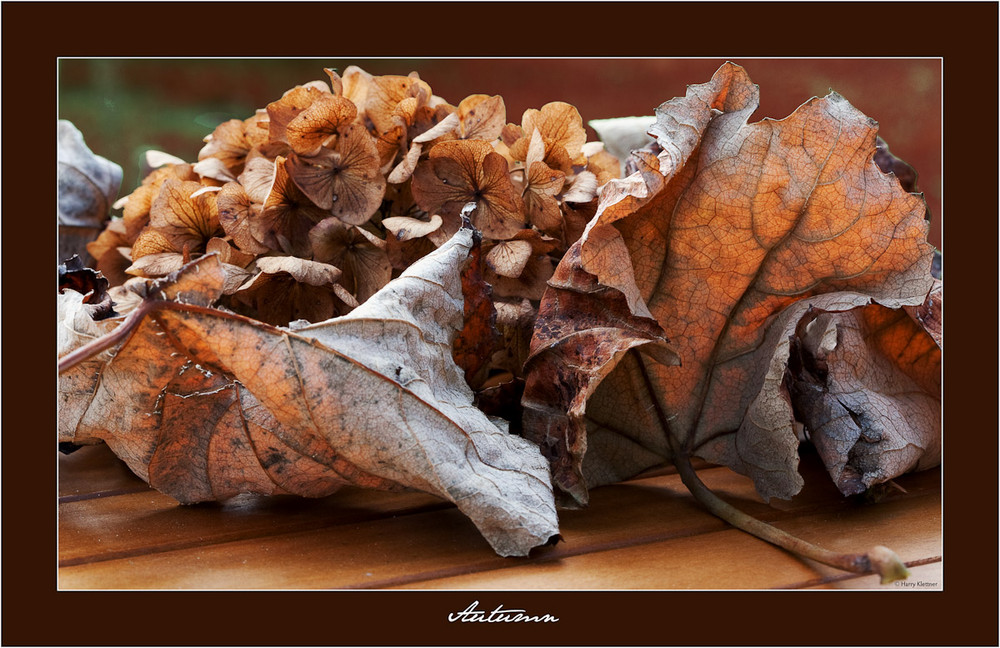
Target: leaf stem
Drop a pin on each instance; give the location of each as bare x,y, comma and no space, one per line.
105,342
879,560
132,320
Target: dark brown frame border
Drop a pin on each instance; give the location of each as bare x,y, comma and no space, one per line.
35,613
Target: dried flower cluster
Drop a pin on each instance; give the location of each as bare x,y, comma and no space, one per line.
318,200
745,283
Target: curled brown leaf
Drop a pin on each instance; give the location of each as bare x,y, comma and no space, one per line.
729,225
867,385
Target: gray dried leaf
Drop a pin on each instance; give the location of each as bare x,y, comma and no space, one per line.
86,183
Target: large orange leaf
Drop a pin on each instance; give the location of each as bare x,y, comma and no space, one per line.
205,404
719,243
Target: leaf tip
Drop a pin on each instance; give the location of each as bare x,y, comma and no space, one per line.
466,215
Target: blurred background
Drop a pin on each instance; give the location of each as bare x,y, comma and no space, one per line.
124,107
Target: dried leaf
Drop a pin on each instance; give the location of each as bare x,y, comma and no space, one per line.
257,178
889,163
622,135
390,145
237,212
929,314
153,159
404,228
402,172
150,241
87,183
521,266
561,130
204,404
575,217
293,103
409,238
448,123
570,358
336,82
710,241
867,385
213,169
508,258
583,189
228,145
542,185
135,211
138,204
479,337
355,85
109,261
312,128
227,253
156,264
604,166
387,102
73,275
76,326
515,321
79,385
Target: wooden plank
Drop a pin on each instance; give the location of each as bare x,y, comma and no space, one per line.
94,471
416,548
927,577
334,557
375,553
366,554
728,559
132,524
139,523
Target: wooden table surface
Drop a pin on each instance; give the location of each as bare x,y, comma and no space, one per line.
648,533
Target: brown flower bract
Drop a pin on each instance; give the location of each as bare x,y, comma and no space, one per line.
460,172
345,179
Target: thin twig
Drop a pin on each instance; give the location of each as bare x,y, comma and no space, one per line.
132,320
